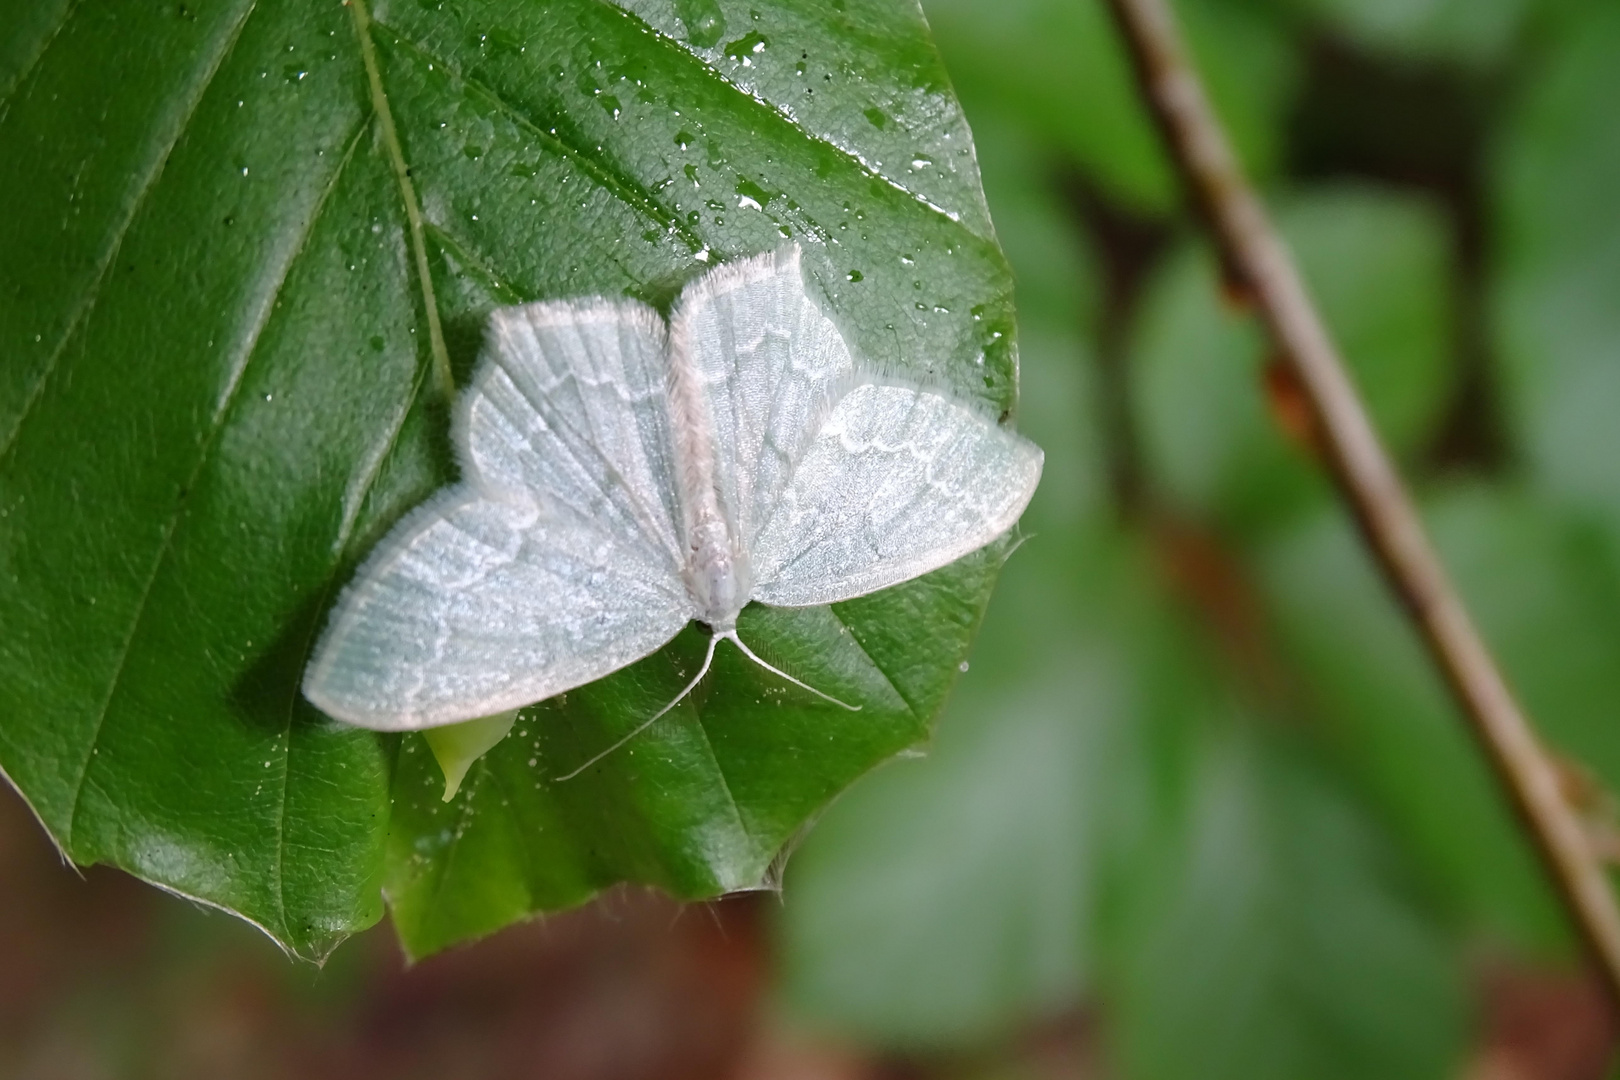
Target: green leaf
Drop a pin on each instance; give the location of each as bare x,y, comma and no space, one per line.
1391,720
946,899
1558,267
941,899
1277,940
456,747
705,801
1057,290
1057,69
1376,264
1543,586
1473,32
218,393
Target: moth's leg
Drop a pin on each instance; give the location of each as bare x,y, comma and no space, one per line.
708,659
737,641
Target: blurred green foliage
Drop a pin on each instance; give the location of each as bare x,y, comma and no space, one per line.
1376,263
1201,776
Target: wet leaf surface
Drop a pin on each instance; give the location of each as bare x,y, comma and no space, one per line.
218,393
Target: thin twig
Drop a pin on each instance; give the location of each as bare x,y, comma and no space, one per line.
1259,264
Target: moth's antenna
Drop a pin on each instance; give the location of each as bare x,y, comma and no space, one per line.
708,658
737,641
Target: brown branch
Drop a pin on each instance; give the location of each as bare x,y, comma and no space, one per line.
1257,263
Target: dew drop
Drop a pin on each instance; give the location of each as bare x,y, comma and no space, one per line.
745,48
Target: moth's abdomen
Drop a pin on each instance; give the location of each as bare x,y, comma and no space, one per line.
716,573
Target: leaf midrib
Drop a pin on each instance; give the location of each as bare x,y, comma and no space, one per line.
407,196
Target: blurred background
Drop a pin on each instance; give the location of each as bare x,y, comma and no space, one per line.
1199,809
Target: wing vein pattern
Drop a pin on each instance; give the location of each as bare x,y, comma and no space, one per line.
553,563
837,482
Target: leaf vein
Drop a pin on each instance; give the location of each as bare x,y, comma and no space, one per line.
93,292
345,530
624,186
407,195
911,706
166,541
470,785
23,73
720,774
676,45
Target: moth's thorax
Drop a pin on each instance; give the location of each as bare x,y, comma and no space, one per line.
716,568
